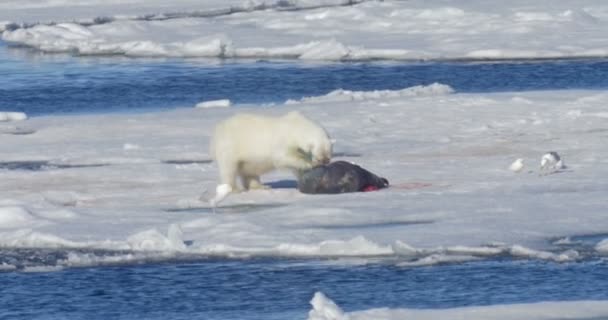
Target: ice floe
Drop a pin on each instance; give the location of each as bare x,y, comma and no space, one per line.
323,308
315,30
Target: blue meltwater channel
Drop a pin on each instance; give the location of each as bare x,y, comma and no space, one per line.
40,84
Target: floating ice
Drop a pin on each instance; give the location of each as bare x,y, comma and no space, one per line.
568,255
27,238
7,267
325,309
41,269
435,89
223,103
153,240
434,259
358,246
12,116
409,30
602,247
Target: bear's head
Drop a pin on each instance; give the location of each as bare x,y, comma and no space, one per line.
315,145
321,151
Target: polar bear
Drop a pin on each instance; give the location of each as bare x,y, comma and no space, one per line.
246,146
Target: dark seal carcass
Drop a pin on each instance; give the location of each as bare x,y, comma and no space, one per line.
339,177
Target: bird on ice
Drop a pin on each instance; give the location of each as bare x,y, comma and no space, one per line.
517,165
550,162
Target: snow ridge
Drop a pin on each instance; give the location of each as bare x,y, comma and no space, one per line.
246,6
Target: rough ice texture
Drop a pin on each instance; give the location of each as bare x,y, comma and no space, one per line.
324,308
602,246
452,196
313,30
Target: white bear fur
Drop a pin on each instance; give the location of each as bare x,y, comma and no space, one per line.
246,146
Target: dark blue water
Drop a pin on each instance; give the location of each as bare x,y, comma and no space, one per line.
276,289
40,84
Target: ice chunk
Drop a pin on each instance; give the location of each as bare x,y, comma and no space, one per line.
12,116
222,103
325,309
153,240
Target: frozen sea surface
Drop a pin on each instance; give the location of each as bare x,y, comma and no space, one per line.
39,84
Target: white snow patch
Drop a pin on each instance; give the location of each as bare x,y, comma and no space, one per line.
14,217
76,259
7,267
27,238
130,147
602,246
42,269
313,30
153,240
59,214
222,103
523,252
65,198
325,50
434,259
324,308
12,116
435,89
358,246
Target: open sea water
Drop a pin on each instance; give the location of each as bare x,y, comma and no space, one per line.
266,288
40,84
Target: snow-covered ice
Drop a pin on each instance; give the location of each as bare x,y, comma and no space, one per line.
12,116
451,196
222,103
313,30
134,182
323,308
